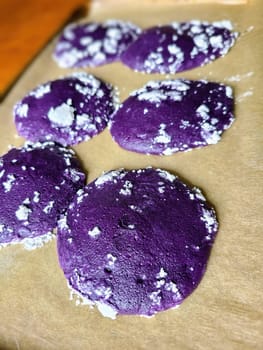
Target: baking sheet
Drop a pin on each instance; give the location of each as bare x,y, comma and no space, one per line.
224,312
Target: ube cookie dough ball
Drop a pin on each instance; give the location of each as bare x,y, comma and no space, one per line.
67,110
179,46
168,116
136,242
94,44
37,183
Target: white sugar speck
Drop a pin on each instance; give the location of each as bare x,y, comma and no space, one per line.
244,95
223,24
184,124
162,137
41,90
94,232
26,201
198,194
229,92
9,182
201,41
37,242
155,297
165,175
158,284
111,260
154,96
216,41
83,119
127,187
86,40
23,212
239,77
161,274
208,218
22,110
172,287
106,310
48,207
36,197
196,29
109,177
62,223
161,189
173,49
61,116
104,292
203,111
74,174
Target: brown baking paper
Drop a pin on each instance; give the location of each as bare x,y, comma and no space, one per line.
224,312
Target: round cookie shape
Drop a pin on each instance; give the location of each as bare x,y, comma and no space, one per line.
168,116
94,44
179,46
136,242
67,110
37,183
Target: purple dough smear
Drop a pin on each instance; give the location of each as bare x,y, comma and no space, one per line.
67,110
94,44
179,46
168,116
37,183
136,242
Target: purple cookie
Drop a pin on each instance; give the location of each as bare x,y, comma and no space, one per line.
136,242
168,116
179,46
37,182
94,44
67,110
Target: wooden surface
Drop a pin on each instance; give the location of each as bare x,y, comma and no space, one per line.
25,27
225,310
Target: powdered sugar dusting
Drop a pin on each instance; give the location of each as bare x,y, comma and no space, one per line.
167,176
239,77
41,90
37,242
244,95
110,177
126,190
209,219
21,109
163,136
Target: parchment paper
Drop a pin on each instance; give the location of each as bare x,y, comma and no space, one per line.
224,312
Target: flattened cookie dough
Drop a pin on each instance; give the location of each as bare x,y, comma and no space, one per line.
94,44
67,110
37,182
179,46
136,242
168,116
